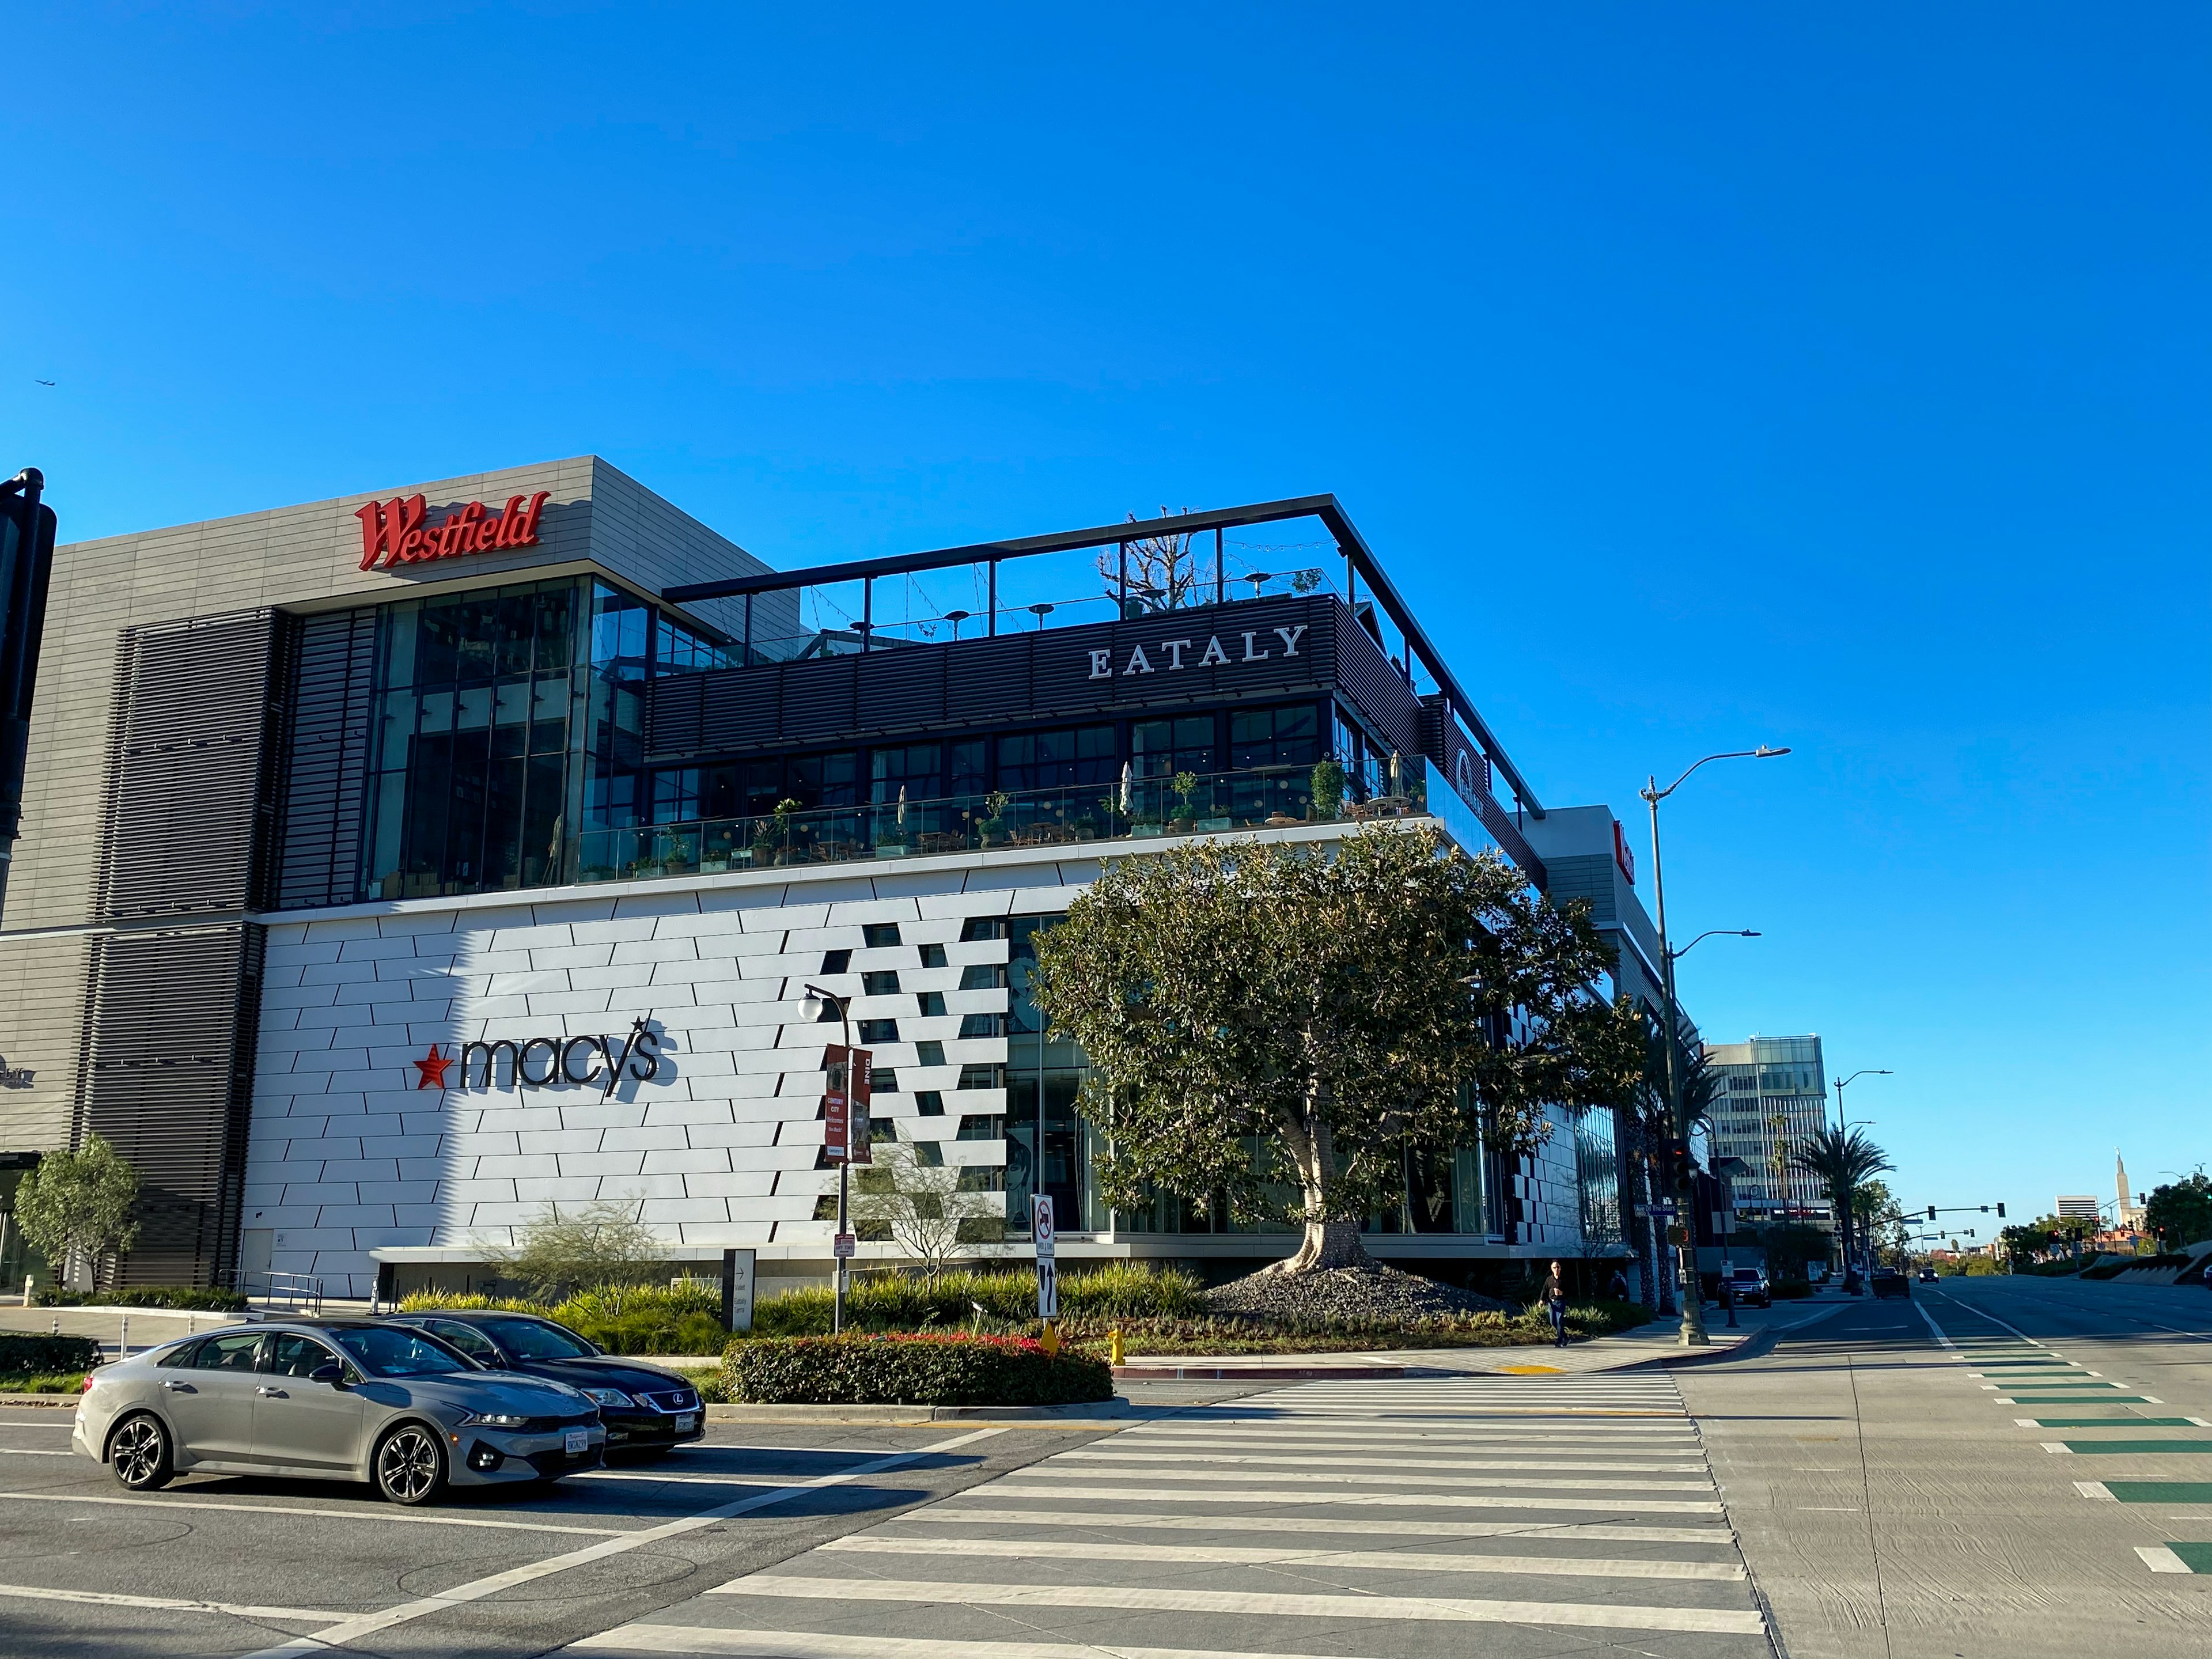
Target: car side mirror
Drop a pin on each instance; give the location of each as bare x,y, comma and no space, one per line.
333,1375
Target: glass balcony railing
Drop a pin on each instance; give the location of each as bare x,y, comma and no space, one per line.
1269,797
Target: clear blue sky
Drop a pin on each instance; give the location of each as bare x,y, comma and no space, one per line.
1707,374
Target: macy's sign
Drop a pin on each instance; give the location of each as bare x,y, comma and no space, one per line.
395,531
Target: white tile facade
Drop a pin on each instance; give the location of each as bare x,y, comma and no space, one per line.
349,1152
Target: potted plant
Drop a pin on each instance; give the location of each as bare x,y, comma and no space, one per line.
1185,785
1327,789
785,811
994,827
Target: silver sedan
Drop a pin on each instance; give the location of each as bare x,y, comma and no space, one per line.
345,1400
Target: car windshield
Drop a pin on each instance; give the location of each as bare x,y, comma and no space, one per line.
391,1351
537,1338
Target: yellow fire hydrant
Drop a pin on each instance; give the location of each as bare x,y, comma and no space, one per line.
1114,1345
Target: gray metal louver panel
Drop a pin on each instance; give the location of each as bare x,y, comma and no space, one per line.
170,1033
190,803
326,757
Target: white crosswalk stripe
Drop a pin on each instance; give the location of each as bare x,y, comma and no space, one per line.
1325,1521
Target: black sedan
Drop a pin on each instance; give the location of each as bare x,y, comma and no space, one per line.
645,1408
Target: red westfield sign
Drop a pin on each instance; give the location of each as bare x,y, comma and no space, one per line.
394,530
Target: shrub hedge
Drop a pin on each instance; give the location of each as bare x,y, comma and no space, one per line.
901,1302
917,1369
181,1296
649,1322
24,1353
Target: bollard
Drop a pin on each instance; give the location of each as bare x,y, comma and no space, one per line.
123,1339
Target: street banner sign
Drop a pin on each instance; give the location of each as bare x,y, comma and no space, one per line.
844,1246
1041,1233
836,1105
846,1136
860,1089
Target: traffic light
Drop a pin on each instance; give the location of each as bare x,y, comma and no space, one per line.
2001,1212
1931,1211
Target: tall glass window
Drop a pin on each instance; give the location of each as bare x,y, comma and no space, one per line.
473,720
506,721
1162,748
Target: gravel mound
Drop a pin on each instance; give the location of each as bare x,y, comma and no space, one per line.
1347,1294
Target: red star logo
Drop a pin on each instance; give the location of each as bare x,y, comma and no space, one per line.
433,1068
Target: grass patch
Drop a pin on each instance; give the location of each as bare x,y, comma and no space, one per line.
43,1382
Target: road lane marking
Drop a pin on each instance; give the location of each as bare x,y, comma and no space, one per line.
2159,1558
1430,1483
2147,1491
2130,1448
1594,1464
2113,1423
382,1512
351,1629
642,1638
938,1515
1057,1493
1558,1566
1253,1604
27,1451
173,1604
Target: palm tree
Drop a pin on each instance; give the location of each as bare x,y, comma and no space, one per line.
1841,1161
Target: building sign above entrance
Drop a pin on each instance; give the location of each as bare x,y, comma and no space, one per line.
394,531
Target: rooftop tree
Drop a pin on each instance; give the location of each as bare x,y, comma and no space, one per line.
1282,1025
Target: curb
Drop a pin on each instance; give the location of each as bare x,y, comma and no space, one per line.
50,1401
1251,1373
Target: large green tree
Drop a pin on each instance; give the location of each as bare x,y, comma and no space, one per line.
75,1207
2180,1211
1283,1024
1842,1163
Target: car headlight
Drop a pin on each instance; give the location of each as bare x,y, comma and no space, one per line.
608,1397
494,1420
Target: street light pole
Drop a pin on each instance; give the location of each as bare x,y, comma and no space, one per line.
817,999
1693,1334
1844,1129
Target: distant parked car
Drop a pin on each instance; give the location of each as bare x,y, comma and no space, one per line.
645,1408
1748,1286
324,1400
1891,1281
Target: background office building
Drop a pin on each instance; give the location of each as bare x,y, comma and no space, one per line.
1772,1098
532,760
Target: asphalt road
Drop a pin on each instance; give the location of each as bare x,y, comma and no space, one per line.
1887,1471
85,1566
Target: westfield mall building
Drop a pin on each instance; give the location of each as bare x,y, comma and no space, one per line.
396,865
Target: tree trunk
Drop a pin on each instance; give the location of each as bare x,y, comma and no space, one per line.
1328,1243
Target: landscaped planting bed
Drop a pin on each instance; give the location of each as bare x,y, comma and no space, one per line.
914,1370
31,1353
641,1321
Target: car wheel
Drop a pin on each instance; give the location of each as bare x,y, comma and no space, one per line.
410,1465
140,1454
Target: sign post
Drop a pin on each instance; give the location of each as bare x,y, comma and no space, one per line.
1041,1234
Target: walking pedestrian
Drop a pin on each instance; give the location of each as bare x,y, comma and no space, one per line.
1617,1290
1555,1302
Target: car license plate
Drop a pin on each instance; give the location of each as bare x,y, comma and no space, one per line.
579,1440
685,1422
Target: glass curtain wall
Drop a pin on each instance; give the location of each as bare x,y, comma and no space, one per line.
503,720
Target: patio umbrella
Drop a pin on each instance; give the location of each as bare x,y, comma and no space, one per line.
1124,786
901,812
1395,788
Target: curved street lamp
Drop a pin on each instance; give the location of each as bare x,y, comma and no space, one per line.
1686,1259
